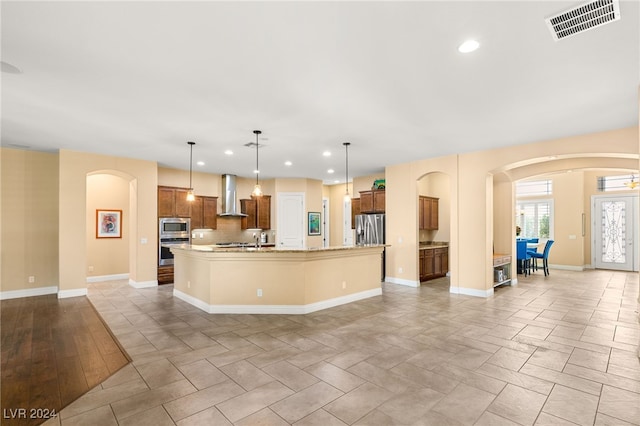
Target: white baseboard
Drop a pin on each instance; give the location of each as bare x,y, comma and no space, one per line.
143,284
276,309
76,292
471,291
102,278
401,281
566,267
28,292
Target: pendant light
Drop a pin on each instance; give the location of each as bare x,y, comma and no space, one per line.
347,197
190,195
257,191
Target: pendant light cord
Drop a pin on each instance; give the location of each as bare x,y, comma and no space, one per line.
191,165
346,182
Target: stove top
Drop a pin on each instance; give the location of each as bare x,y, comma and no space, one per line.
234,244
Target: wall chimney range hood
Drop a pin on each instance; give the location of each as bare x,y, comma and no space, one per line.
229,197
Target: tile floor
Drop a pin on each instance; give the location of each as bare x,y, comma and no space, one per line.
549,351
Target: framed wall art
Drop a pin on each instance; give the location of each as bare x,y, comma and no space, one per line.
314,223
108,223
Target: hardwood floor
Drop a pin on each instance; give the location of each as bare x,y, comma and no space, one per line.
53,351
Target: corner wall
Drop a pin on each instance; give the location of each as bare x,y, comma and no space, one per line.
29,216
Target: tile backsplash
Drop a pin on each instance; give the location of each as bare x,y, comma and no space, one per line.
228,230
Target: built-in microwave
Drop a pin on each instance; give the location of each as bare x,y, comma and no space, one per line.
174,227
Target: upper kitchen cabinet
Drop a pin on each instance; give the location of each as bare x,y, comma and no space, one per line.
204,212
372,201
172,202
258,211
428,212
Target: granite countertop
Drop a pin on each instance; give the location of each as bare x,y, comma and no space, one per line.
226,249
426,245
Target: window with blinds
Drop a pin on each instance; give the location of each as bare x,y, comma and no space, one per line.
535,218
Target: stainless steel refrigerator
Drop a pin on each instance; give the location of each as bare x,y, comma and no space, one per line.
370,230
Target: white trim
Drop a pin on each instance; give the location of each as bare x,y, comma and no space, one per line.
276,309
565,267
471,291
76,292
143,284
28,292
401,281
514,281
101,278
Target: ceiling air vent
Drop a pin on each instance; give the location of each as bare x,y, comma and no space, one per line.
582,18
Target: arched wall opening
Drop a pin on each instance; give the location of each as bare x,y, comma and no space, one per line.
108,258
437,185
574,182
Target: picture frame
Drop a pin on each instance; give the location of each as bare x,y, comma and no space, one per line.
108,223
314,223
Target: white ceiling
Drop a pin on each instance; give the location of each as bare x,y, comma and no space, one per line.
140,79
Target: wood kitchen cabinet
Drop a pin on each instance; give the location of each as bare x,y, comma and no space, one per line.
165,274
172,202
258,211
372,201
428,212
355,210
433,262
204,211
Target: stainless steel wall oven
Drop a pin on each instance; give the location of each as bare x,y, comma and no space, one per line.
171,231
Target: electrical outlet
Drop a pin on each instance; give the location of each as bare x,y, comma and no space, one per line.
32,279
400,270
91,268
188,284
344,284
259,292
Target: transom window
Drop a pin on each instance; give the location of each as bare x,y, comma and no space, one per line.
617,183
532,188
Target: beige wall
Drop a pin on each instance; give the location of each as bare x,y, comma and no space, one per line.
437,185
313,202
40,189
107,256
335,194
29,212
474,199
72,193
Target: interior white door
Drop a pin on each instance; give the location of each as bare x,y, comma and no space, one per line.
615,232
291,219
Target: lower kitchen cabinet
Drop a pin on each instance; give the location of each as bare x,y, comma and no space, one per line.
434,262
165,274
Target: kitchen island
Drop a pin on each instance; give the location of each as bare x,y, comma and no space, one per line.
273,280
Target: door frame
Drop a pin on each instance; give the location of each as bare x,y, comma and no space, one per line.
326,228
635,228
279,216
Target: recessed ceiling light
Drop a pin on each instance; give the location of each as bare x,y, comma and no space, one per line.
228,152
288,163
330,171
468,46
326,154
256,171
336,181
200,163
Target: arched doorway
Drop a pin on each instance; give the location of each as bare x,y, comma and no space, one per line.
108,257
434,226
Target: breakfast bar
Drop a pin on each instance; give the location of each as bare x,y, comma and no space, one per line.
252,280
